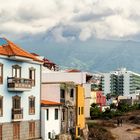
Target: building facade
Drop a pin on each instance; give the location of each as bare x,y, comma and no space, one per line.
50,119
20,81
80,103
121,82
64,93
77,77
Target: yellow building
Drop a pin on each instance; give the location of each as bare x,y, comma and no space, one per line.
93,97
80,116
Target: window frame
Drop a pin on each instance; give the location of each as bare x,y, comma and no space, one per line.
16,67
79,111
32,76
56,114
16,102
82,110
31,103
49,135
0,132
16,131
1,74
62,93
72,93
32,129
47,114
1,108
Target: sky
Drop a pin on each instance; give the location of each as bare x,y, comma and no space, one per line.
70,20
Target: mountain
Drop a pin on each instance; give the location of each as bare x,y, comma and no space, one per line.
93,55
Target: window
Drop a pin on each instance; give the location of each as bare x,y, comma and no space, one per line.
63,114
31,129
31,105
32,75
79,110
1,106
16,131
49,135
16,102
72,93
0,132
1,73
56,114
16,71
47,114
82,110
79,131
62,93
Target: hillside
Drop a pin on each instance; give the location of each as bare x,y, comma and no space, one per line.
94,55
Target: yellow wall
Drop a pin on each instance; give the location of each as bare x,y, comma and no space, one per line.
80,118
93,97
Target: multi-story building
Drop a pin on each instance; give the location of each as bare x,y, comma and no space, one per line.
69,89
98,98
121,82
63,93
20,78
80,103
77,77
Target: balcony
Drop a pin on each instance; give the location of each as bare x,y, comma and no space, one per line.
17,114
19,84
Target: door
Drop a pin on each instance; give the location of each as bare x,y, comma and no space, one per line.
16,131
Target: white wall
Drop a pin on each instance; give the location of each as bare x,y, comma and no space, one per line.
87,89
106,83
50,125
7,95
126,84
50,92
77,77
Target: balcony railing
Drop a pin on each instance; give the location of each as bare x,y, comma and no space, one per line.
18,84
17,114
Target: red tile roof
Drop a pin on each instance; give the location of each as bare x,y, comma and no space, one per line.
73,70
51,103
11,49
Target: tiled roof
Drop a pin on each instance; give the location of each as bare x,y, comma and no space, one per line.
51,103
48,61
73,70
11,49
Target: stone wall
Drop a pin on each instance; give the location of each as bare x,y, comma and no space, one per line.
7,130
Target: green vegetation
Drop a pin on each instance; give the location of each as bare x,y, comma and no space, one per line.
113,111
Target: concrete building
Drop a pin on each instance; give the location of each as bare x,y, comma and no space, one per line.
20,80
80,117
50,119
64,93
77,77
121,82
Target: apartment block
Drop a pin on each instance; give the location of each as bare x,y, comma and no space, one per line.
121,82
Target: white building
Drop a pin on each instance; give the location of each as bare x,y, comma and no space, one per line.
50,119
19,93
121,82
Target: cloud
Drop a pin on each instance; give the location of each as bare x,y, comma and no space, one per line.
69,20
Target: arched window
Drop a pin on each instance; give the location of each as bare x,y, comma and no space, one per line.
16,71
31,105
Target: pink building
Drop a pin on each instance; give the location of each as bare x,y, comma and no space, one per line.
100,99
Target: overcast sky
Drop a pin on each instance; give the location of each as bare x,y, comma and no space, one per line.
67,20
